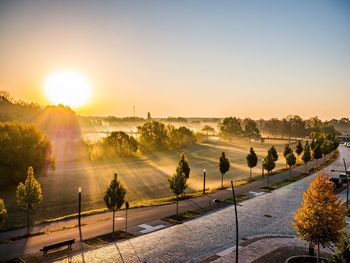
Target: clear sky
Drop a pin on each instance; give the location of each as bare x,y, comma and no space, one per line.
184,58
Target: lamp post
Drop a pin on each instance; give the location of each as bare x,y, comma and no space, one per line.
79,209
126,216
204,175
236,217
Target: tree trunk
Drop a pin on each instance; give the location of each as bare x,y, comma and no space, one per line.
268,178
222,181
318,252
290,172
250,176
177,205
305,167
28,224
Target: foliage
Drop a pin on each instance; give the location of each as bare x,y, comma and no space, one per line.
29,195
115,194
153,134
251,130
306,157
287,150
3,211
208,129
21,146
299,148
183,166
291,161
269,162
317,151
224,166
321,218
156,135
120,143
342,254
178,137
252,160
231,126
177,184
273,152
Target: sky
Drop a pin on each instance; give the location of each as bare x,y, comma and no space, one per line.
258,59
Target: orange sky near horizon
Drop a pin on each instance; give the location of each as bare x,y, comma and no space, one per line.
258,60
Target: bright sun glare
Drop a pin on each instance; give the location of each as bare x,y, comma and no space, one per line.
68,87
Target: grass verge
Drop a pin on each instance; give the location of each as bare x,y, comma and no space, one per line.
177,219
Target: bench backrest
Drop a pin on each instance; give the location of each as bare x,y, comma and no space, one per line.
57,245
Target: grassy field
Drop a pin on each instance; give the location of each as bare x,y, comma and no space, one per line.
145,175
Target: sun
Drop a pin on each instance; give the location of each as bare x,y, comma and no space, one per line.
69,88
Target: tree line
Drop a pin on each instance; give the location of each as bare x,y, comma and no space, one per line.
153,135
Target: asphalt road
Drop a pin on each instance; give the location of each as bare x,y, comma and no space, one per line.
215,228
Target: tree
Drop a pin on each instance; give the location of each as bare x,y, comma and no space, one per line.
317,152
291,161
306,157
149,116
29,195
183,166
153,134
177,185
22,145
3,212
321,218
287,150
312,145
299,149
224,166
252,161
269,163
115,196
273,153
208,129
231,126
251,130
120,143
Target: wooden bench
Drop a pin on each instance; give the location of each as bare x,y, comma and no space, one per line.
68,243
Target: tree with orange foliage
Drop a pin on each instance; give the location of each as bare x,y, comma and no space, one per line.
321,218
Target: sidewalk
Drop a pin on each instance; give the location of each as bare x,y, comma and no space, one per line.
260,249
140,220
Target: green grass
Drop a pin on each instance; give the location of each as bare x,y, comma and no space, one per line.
145,177
176,219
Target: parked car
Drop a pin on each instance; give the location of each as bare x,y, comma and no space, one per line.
336,182
343,178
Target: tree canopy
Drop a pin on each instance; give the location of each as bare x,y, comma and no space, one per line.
183,166
224,166
29,194
3,211
321,218
252,160
22,145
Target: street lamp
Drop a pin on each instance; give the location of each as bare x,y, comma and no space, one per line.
79,209
204,175
236,218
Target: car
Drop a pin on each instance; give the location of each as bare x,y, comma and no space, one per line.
336,182
343,178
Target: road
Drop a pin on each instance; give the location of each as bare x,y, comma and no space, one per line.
219,236
267,214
